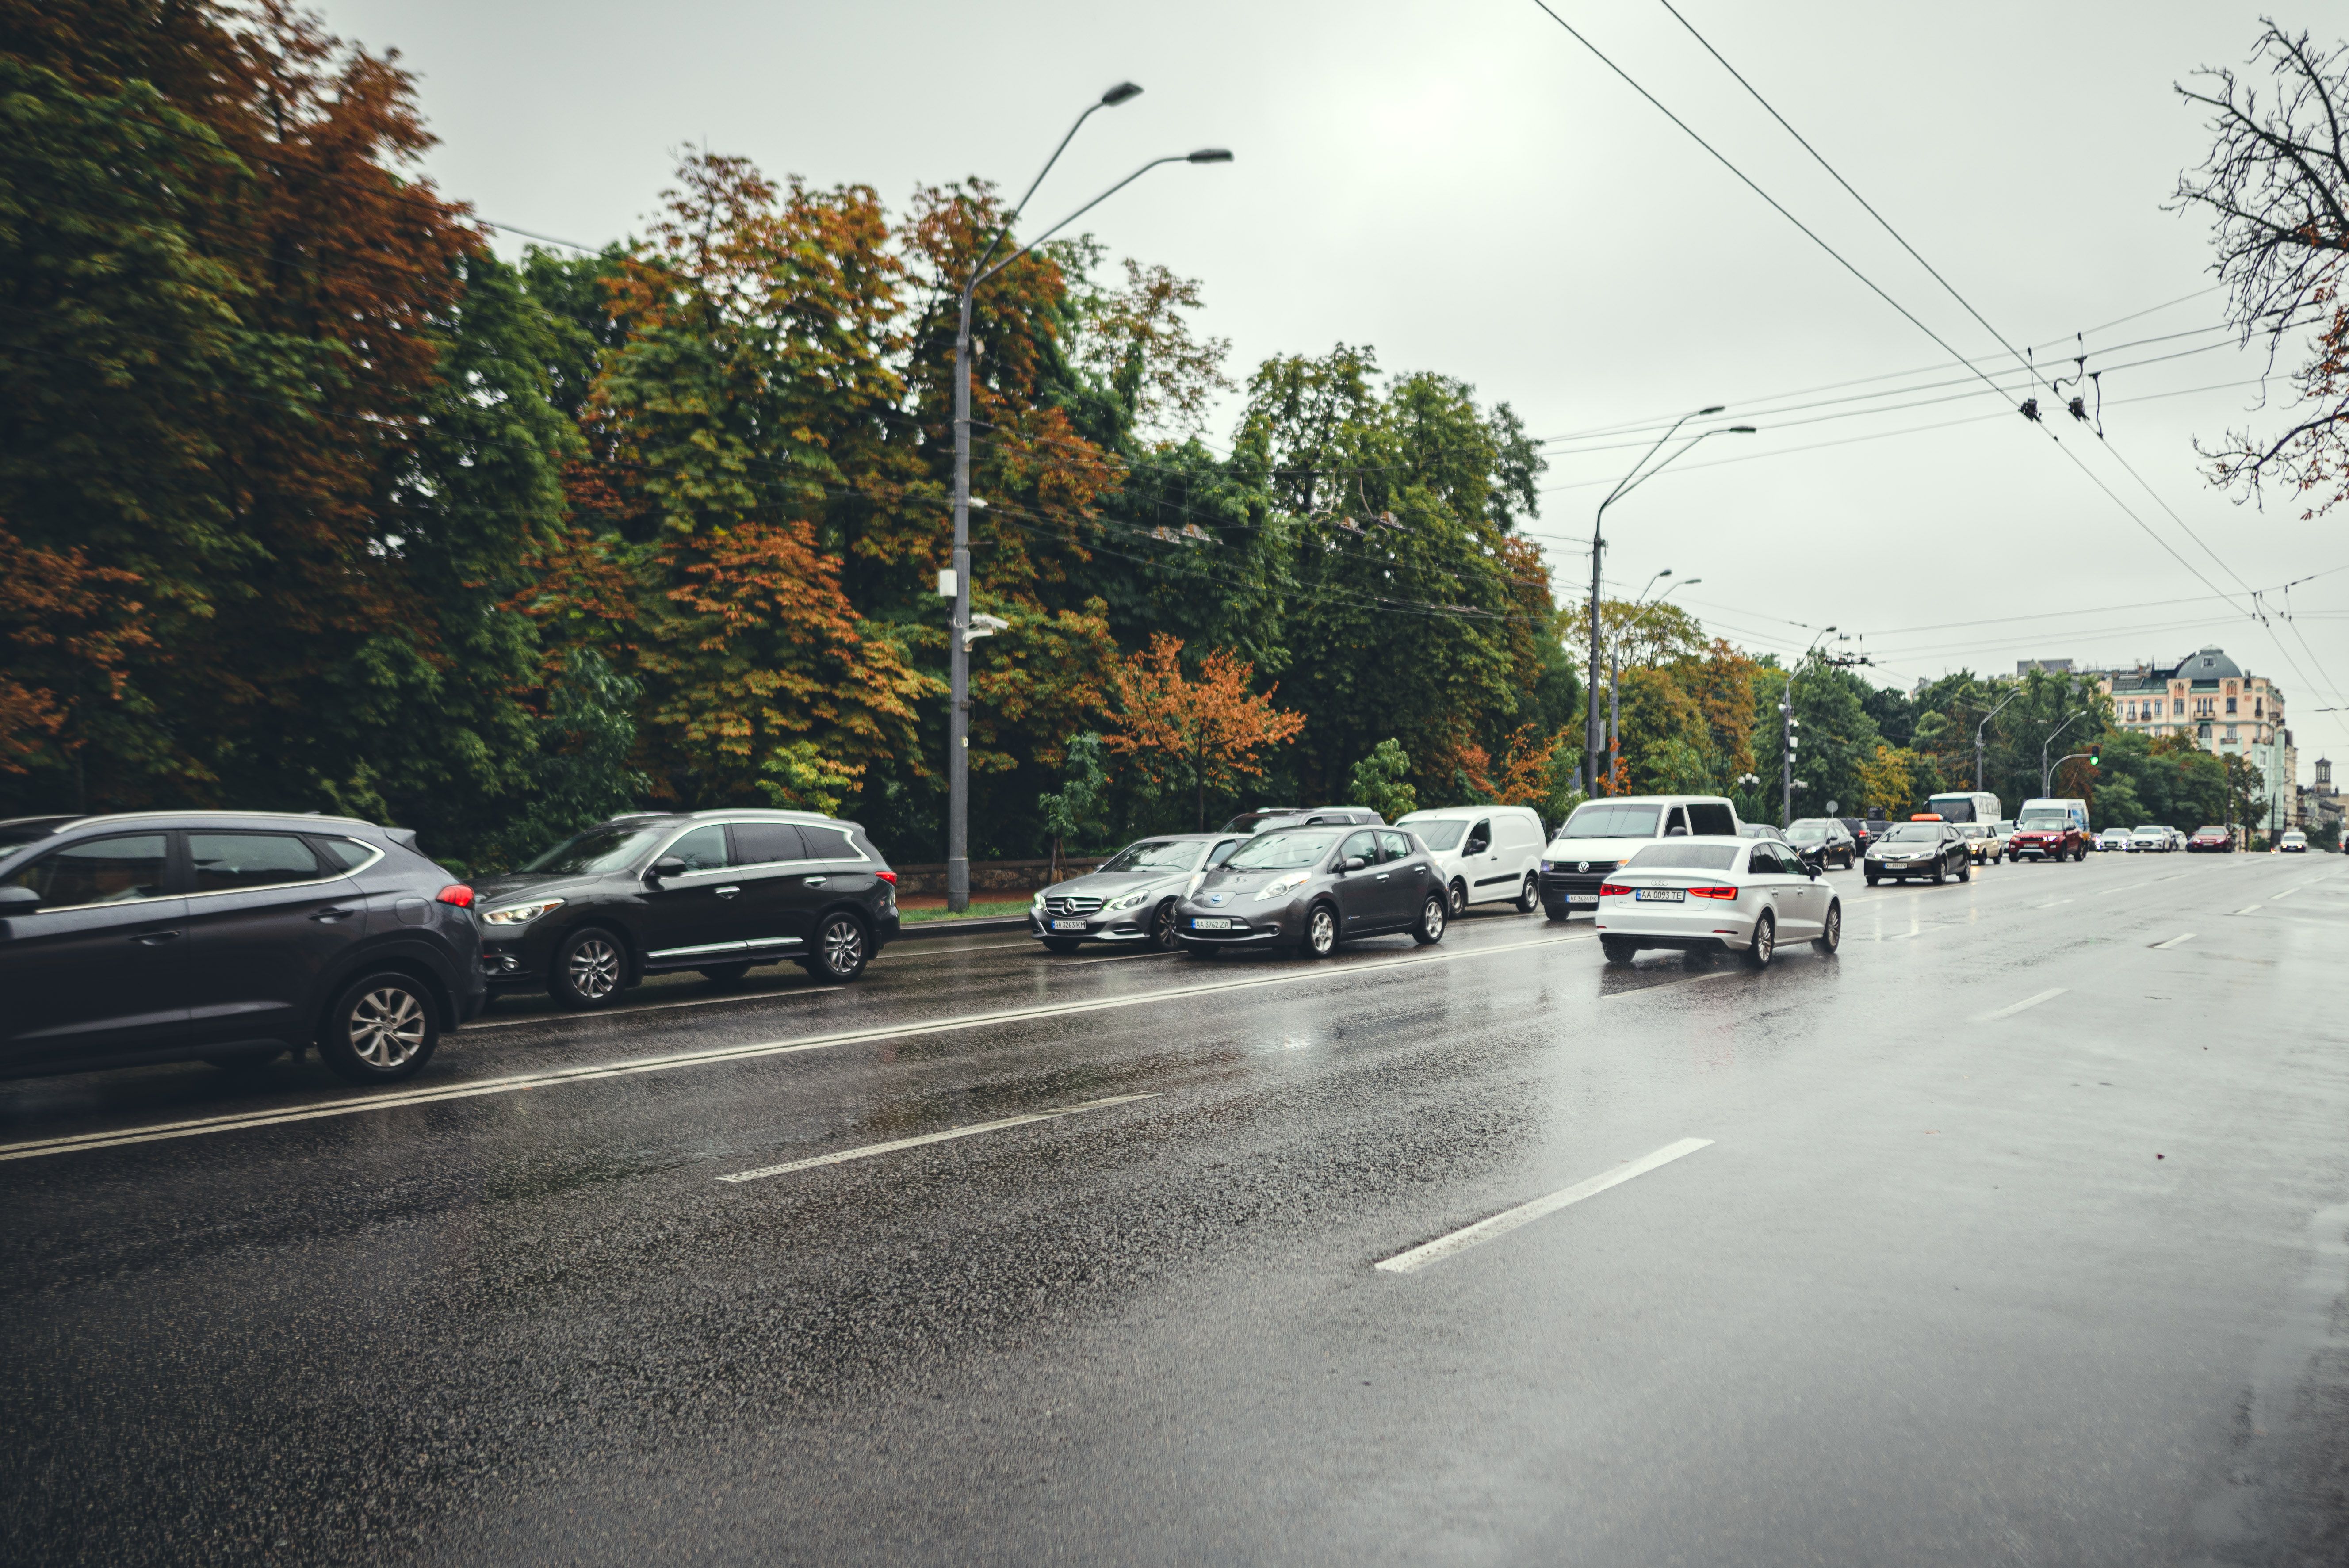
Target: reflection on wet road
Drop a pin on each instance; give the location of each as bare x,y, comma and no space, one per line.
2000,1216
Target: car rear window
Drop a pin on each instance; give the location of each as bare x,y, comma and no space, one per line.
1683,857
825,843
226,861
1708,818
765,843
350,853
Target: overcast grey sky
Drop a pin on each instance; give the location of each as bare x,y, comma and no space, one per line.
1465,188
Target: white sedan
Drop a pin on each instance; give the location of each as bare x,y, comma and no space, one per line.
1713,895
2150,838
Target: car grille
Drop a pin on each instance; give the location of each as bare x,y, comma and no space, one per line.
1569,879
1066,903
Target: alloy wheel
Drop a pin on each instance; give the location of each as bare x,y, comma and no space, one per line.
1321,932
1161,928
386,1027
842,947
595,969
1766,942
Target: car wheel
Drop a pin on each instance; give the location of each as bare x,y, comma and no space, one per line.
1529,895
1457,899
1618,950
589,968
1873,879
841,949
1432,919
1556,911
1320,932
1759,951
1941,873
380,1030
1830,936
1162,927
1965,871
1060,944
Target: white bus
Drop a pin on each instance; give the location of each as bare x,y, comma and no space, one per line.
1965,806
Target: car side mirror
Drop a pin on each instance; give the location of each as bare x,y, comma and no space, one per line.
18,900
1676,831
668,866
1353,863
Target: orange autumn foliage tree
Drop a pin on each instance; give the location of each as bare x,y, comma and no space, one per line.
1210,731
68,632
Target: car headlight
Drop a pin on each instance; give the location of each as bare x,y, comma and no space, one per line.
1281,887
1038,906
1130,899
519,914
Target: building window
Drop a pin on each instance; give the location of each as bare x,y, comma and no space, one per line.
2259,708
2202,733
2231,735
2178,708
2231,704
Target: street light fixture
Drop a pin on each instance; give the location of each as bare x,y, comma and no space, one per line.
1593,737
2046,783
961,625
1787,725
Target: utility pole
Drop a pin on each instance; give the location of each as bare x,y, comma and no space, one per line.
1993,713
960,629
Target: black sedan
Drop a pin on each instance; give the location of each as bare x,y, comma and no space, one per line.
229,937
1823,840
715,892
1308,888
1930,850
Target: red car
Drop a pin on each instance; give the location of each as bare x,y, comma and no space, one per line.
2054,828
2217,841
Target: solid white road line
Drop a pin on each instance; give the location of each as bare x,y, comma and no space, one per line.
893,1145
2012,1008
477,1026
2175,941
1508,1220
555,1077
2253,909
2287,893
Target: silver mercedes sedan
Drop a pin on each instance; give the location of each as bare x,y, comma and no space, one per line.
1130,899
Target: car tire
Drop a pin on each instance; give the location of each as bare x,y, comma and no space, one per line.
1529,895
1941,873
1765,945
1162,927
724,973
589,969
381,1029
1873,879
1060,944
1321,938
1830,936
1555,911
1618,950
1966,870
842,948
1433,918
1457,899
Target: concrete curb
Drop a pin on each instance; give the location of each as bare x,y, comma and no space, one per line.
919,930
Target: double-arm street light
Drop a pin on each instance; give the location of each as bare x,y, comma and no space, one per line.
2046,773
1787,726
1594,736
960,631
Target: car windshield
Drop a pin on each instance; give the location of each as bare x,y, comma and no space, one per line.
1972,831
1611,820
1804,832
1156,855
2151,828
1283,849
2211,830
1439,834
1914,833
2048,819
1683,857
596,851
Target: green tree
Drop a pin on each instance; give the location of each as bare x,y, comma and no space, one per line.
1379,781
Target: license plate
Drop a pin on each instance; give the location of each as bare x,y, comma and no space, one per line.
1582,898
1067,925
1212,922
1662,895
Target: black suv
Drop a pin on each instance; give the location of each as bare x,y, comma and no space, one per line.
228,936
712,891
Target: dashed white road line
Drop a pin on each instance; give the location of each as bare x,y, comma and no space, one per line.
2286,893
1508,1220
894,1144
2250,908
477,1027
2012,1008
590,1072
2051,905
2174,941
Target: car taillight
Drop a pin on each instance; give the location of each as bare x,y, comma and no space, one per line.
1712,892
457,893
889,877
1612,889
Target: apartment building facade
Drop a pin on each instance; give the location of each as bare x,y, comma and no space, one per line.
2226,712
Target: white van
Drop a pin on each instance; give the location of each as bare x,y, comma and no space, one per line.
1603,833
1488,854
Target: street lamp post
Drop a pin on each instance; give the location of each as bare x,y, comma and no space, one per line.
1593,737
1993,713
1641,608
2046,773
960,632
1786,728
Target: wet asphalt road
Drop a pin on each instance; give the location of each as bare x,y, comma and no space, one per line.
2069,1285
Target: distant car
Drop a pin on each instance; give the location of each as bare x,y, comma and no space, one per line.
1263,817
2150,839
1761,831
1308,888
2293,842
1825,838
1604,833
1930,850
2210,839
1997,833
1716,894
2114,839
1129,899
1867,830
1981,846
229,937
1487,854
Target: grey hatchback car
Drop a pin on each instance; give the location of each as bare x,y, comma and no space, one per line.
1129,898
1308,888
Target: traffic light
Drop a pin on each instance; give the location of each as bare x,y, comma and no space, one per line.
2096,757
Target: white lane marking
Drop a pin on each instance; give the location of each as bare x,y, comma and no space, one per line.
893,1145
2009,1010
2252,909
477,1026
2051,905
1508,1220
553,1077
2287,893
2175,941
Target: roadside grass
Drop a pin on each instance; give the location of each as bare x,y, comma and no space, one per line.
975,912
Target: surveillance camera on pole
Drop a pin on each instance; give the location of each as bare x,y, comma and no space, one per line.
982,625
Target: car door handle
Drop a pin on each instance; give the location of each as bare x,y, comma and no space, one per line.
727,891
1383,875
333,913
815,881
155,938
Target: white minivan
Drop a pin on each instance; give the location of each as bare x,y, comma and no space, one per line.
1488,854
1604,833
